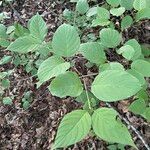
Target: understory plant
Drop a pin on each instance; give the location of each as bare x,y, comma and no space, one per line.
111,82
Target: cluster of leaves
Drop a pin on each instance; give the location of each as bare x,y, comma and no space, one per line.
113,82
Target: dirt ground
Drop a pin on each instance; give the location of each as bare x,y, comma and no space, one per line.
35,128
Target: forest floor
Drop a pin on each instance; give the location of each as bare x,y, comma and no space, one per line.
35,128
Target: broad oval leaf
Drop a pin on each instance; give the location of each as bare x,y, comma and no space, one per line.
103,13
100,22
91,12
109,128
127,52
117,11
37,27
128,4
52,67
93,51
136,46
126,22
73,128
67,84
138,106
110,37
142,67
115,85
66,41
114,3
24,44
82,6
139,4
138,75
143,14
111,66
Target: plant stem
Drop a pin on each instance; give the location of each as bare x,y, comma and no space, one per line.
89,75
87,95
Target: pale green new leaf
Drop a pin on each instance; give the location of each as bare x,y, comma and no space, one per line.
126,22
73,128
117,11
100,22
141,66
114,3
82,6
24,44
52,67
136,46
115,85
67,84
109,128
127,52
111,66
91,12
66,41
139,4
37,27
93,51
110,38
103,13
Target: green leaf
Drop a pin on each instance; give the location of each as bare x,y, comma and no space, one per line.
109,128
5,59
124,85
66,41
126,22
110,37
67,84
20,30
136,46
143,14
91,12
145,50
142,67
103,13
128,4
139,4
117,11
138,106
93,51
146,114
82,6
73,128
82,98
100,22
52,67
111,66
138,75
74,1
37,27
24,44
127,52
26,104
3,31
5,83
3,36
113,3
7,101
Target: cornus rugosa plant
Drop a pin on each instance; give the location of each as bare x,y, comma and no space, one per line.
112,82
